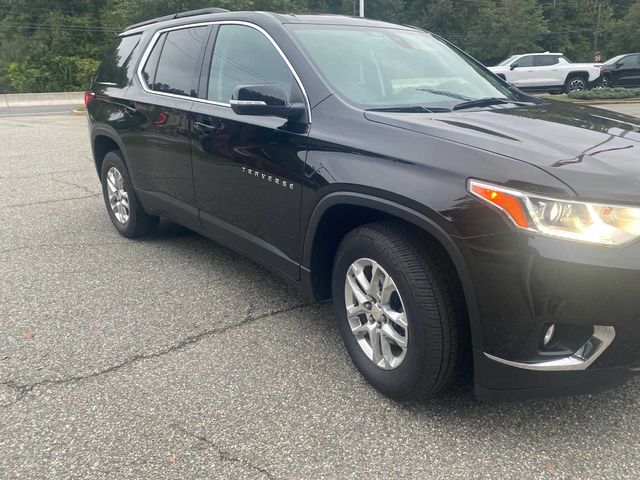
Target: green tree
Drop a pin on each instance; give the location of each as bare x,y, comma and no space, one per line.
53,45
502,28
48,46
625,36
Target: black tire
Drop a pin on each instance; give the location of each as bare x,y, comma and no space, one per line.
138,223
571,85
431,299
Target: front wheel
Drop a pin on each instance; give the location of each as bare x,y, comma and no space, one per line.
399,309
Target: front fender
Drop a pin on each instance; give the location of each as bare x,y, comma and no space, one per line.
410,215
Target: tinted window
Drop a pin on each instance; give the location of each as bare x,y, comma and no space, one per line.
613,60
180,61
544,60
149,70
244,56
117,66
525,62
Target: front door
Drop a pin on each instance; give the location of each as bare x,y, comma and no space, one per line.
630,71
522,73
248,170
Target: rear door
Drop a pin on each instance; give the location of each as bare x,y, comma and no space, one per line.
248,170
159,149
546,72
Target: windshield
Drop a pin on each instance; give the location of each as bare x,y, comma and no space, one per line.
384,67
613,60
507,61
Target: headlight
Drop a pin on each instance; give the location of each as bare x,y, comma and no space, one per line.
578,221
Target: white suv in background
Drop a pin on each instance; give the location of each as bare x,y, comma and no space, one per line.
548,72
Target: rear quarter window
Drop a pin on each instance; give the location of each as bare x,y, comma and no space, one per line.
118,65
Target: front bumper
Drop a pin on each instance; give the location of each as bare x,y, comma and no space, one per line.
524,283
496,381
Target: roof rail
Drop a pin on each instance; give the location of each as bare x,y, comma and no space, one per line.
191,13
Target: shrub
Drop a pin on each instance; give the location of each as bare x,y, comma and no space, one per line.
57,74
605,93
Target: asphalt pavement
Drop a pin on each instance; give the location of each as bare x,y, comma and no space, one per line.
173,357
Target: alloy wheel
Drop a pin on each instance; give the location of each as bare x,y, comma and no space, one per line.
576,84
118,196
376,313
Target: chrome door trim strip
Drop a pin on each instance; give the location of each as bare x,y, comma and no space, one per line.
154,40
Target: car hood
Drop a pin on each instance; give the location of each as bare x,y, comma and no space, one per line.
595,152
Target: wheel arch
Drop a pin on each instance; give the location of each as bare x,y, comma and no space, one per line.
104,141
577,73
326,228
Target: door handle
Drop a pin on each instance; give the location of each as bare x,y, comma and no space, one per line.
207,127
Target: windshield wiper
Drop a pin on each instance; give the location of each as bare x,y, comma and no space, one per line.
444,93
410,109
483,102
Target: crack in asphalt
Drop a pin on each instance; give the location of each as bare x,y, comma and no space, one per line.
81,187
44,202
224,454
23,390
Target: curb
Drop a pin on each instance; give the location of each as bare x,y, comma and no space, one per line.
12,100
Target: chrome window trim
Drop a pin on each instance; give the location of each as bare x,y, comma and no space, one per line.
154,41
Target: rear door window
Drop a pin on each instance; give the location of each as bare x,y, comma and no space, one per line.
545,60
117,66
178,62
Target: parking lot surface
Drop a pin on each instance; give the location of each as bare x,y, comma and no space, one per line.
173,357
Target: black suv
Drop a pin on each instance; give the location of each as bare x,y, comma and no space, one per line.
456,222
622,71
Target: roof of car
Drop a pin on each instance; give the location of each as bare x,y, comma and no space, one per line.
540,53
211,14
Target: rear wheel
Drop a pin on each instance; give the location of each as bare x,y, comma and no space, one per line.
575,83
398,309
123,207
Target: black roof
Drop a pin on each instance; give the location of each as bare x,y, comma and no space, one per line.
221,13
190,13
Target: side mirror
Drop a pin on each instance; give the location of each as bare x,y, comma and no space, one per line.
264,100
619,64
513,65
